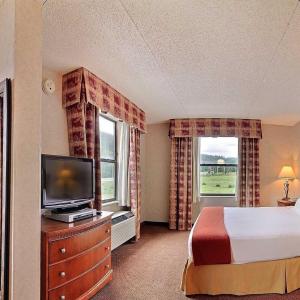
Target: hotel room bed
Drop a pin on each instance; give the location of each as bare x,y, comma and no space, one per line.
265,254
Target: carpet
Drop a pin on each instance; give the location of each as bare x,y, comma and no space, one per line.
151,270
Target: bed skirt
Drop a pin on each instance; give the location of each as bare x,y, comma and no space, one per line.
277,276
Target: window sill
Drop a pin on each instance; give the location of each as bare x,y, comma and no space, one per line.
217,196
109,203
222,201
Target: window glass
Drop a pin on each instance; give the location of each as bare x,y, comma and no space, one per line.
218,165
108,159
108,180
107,138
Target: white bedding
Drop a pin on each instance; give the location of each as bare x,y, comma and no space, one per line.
260,234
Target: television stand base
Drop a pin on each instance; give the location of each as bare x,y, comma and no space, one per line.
72,216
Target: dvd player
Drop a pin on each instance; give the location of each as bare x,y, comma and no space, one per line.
70,217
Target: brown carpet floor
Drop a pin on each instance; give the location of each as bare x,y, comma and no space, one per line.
151,270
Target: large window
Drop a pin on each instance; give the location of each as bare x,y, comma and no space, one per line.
218,166
108,159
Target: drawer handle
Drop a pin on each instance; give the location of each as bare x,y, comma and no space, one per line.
107,248
62,297
106,266
63,250
107,231
62,274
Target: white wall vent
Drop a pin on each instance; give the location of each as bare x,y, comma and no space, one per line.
123,228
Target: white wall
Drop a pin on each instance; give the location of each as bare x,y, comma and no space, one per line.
280,145
143,177
26,147
54,121
7,39
157,173
21,60
296,160
7,65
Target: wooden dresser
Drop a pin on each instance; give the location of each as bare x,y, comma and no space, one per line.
75,258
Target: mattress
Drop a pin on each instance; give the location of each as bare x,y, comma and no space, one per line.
261,234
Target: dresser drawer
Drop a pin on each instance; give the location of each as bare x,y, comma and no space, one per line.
81,285
68,247
69,269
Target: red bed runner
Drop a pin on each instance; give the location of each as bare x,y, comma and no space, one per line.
210,241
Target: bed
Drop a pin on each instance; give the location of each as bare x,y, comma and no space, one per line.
264,253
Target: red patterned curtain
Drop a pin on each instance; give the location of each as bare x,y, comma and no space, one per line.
82,85
249,181
180,212
84,94
84,141
135,176
215,128
181,132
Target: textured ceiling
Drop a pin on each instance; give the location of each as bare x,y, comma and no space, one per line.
185,58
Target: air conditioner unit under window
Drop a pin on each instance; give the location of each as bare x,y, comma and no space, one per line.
123,228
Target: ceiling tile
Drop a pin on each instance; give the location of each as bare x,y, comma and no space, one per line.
179,58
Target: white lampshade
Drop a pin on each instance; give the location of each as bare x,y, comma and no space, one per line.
287,172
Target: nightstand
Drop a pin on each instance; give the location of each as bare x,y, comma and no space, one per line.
283,202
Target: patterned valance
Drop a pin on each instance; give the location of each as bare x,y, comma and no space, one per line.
82,85
215,128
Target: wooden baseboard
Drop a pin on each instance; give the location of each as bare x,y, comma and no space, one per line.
165,224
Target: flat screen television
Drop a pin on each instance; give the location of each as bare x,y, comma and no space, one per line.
66,181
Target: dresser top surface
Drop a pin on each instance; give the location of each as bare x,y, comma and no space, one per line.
49,225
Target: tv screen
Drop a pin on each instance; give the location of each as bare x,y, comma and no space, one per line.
66,181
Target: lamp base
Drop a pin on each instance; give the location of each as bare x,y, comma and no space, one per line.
286,186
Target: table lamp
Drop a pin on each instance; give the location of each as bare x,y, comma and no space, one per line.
286,173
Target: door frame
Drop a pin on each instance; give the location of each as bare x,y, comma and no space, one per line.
6,94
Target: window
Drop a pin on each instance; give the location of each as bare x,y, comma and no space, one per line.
108,159
218,166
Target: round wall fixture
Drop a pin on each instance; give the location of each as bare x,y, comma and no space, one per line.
48,86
